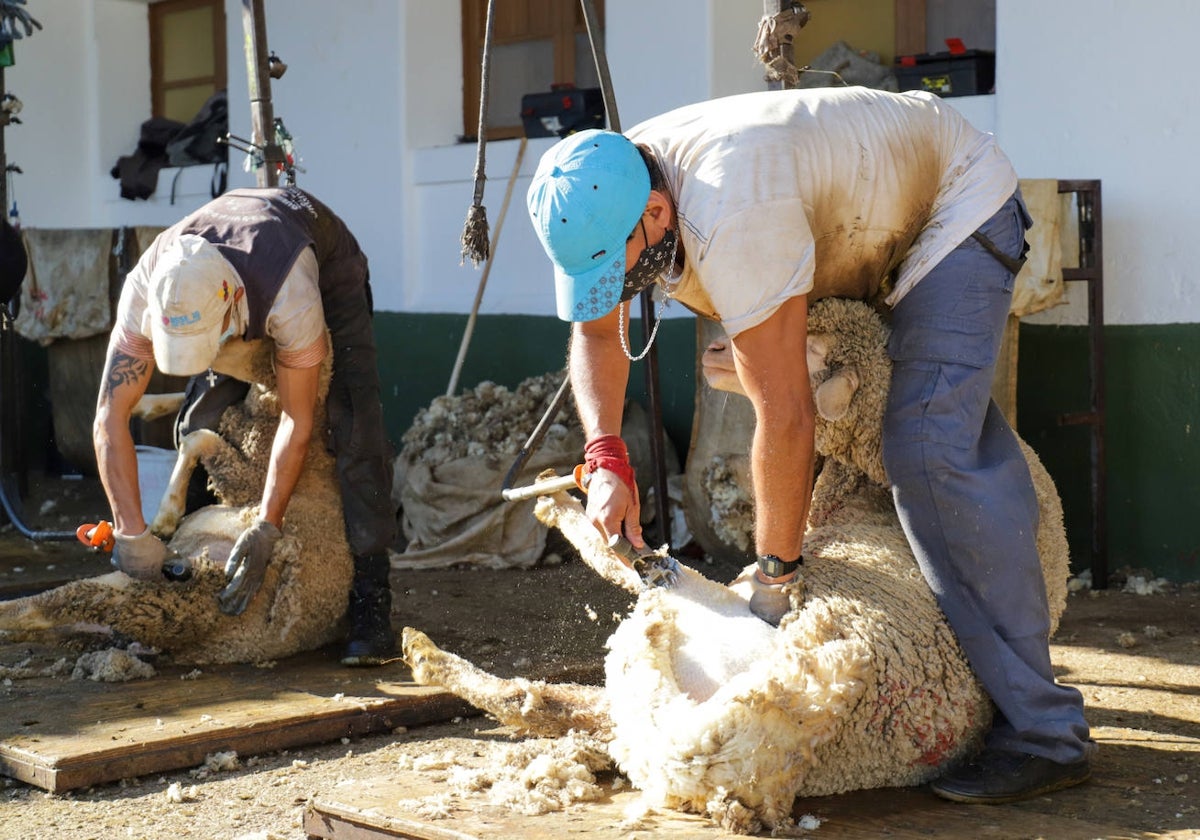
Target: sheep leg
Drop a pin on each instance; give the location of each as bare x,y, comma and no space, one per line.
154,406
565,513
547,709
77,602
201,443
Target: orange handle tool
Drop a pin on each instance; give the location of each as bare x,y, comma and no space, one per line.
578,478
97,536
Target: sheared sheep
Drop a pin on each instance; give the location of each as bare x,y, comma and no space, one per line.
863,684
304,593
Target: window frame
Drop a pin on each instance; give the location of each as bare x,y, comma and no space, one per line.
219,77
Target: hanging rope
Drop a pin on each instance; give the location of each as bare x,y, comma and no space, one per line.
475,231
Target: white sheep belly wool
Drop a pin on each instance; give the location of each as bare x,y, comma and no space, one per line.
863,684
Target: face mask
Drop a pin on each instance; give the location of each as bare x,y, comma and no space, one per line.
654,260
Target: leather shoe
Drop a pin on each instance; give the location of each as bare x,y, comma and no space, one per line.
995,777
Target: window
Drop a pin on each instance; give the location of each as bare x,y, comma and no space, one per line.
187,55
535,43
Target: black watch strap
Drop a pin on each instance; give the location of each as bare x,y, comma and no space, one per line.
772,566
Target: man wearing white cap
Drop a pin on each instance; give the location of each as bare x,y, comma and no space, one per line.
745,208
260,263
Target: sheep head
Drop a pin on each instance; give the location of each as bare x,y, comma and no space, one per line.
849,369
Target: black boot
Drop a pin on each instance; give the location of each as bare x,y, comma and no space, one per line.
371,640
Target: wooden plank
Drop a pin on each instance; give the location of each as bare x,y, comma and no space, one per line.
372,809
64,735
910,27
375,810
915,813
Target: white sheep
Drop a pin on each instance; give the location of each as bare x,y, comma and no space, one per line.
863,685
305,591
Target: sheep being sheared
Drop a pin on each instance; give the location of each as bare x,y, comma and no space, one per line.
708,709
305,590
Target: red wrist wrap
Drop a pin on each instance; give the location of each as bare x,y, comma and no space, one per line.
609,452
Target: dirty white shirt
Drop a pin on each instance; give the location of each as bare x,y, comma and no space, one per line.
296,322
822,192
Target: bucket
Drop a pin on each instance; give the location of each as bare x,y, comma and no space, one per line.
154,474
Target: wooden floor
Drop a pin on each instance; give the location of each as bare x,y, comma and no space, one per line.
1143,704
368,811
66,735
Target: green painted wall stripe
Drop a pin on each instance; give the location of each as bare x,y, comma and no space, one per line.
417,354
1153,388
1152,382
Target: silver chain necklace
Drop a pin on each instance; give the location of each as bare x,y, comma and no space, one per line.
667,288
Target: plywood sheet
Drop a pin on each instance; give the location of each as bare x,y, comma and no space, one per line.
368,809
374,810
64,734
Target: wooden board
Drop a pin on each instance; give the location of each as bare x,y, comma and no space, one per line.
62,735
371,810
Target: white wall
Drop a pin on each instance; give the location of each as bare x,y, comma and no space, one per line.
651,73
52,77
1101,89
340,98
373,97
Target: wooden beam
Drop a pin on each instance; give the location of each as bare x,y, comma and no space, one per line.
910,27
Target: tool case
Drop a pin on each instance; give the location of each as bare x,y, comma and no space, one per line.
956,72
563,110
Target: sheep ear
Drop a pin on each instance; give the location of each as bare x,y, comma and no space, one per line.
818,350
834,395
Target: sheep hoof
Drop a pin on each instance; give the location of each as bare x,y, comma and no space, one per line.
419,652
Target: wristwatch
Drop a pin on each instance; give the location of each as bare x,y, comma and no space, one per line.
772,566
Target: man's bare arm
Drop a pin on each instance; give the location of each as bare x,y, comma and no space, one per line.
772,365
297,388
599,371
123,383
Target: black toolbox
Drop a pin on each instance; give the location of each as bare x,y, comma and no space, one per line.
956,72
564,110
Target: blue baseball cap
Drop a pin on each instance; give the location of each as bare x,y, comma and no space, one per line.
587,194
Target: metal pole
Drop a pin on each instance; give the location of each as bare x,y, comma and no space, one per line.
3,159
262,115
654,394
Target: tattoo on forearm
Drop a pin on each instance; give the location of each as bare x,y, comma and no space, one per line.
123,370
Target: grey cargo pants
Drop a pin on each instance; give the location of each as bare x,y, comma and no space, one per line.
964,494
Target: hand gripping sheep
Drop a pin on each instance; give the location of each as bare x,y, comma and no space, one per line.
707,709
305,590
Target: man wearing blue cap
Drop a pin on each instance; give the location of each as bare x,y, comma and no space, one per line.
745,208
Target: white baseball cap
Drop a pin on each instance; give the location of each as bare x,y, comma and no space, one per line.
191,289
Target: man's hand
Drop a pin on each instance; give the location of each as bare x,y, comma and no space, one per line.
141,556
246,566
613,508
768,601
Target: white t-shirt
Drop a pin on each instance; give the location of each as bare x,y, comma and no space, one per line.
822,192
296,322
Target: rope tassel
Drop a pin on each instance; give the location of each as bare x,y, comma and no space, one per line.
475,235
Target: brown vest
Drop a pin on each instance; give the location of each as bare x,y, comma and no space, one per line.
261,232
